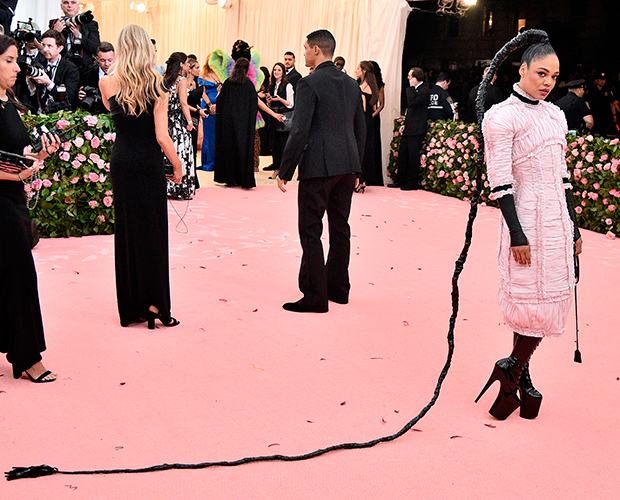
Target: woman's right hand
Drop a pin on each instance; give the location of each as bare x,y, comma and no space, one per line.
280,118
522,254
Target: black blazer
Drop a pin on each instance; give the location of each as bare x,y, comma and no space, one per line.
328,132
68,75
417,110
90,44
293,77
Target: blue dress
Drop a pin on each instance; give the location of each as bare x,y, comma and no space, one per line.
208,126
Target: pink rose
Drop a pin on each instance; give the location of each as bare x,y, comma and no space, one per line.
609,234
575,152
102,178
80,157
94,158
75,180
108,193
88,135
107,201
93,177
611,208
93,203
68,201
580,140
578,210
584,181
91,121
37,184
613,142
66,146
76,164
604,157
101,217
605,201
589,138
62,124
79,142
56,177
609,222
596,186
47,183
64,156
607,166
108,136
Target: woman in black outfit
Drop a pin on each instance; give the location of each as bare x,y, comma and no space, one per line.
21,325
370,95
138,102
280,99
377,179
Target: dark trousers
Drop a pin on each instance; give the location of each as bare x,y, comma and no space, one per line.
409,161
277,147
320,281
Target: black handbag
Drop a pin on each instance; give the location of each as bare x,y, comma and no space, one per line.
285,126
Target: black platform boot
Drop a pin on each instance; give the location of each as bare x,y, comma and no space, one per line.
508,372
531,399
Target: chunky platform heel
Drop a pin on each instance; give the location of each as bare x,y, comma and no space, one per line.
531,399
507,371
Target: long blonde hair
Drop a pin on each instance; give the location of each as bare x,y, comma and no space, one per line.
139,81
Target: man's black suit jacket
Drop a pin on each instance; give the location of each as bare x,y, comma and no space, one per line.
293,78
68,75
417,110
328,132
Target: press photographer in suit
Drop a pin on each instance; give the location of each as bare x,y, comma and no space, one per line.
327,140
57,87
82,40
89,96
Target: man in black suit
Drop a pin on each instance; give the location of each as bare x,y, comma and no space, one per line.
494,96
106,57
57,88
292,75
416,125
327,140
82,40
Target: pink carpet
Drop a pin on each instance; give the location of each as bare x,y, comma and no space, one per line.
242,377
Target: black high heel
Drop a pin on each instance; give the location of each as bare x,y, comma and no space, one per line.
151,316
531,399
361,188
508,372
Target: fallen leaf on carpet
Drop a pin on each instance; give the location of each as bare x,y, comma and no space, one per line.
454,437
310,421
343,403
273,444
491,426
223,300
202,267
123,383
406,323
119,448
255,310
256,367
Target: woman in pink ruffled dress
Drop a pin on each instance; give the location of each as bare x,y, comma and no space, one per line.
525,140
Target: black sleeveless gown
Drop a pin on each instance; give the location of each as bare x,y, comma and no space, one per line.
140,217
21,326
372,173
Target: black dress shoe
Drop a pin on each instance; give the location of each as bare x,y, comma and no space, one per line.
298,307
270,167
394,185
409,188
339,300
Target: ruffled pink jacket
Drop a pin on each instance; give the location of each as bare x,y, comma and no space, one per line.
525,154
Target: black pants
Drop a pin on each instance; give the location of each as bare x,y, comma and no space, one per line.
409,161
278,141
320,281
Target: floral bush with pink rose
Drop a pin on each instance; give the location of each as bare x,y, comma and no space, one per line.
449,168
75,192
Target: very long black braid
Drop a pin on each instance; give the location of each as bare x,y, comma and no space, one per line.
526,38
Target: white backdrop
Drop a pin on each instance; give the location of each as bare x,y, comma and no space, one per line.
364,30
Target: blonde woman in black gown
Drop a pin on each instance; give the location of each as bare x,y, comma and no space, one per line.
21,326
138,102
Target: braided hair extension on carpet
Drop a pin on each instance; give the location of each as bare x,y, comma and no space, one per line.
523,39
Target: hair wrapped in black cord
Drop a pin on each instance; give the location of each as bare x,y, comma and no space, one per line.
531,36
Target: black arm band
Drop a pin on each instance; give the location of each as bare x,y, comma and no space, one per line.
572,214
507,205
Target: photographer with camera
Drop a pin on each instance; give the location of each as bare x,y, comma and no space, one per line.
81,32
89,95
58,85
30,53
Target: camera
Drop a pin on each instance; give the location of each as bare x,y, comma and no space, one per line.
92,102
40,130
26,32
34,71
83,18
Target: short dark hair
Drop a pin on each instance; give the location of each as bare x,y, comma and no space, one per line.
324,40
105,47
443,77
289,53
56,35
536,52
417,73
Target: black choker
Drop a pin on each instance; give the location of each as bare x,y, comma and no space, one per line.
524,99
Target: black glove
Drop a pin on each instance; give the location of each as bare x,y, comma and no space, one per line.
517,236
572,214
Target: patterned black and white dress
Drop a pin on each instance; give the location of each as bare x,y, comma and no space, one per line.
182,139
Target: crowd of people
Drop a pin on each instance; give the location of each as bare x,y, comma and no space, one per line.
325,127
